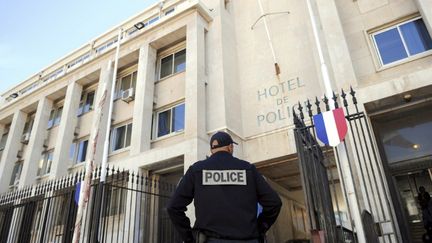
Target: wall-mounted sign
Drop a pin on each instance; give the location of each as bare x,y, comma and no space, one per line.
281,95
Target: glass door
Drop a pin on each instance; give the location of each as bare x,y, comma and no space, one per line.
408,185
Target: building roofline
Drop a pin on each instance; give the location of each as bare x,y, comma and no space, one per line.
35,77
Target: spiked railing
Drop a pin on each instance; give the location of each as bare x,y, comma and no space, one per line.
128,210
363,158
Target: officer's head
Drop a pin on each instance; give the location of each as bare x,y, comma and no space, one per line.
221,141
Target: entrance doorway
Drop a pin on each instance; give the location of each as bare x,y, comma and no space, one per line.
408,185
404,138
408,188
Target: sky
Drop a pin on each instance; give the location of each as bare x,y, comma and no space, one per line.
36,33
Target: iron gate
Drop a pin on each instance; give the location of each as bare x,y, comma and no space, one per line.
132,208
358,151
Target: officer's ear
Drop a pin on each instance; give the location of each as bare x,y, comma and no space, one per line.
231,148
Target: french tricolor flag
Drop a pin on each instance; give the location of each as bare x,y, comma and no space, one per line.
331,126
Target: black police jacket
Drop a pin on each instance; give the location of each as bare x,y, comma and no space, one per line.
225,191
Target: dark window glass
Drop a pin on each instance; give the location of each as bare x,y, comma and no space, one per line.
416,37
16,173
58,116
128,135
178,118
180,61
119,139
89,102
3,141
166,66
406,135
51,119
72,151
164,123
126,82
82,151
49,162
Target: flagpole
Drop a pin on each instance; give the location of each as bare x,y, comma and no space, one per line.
347,175
85,187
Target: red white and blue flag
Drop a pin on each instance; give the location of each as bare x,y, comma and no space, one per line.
331,126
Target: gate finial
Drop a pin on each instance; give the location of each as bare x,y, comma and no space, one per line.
334,98
300,108
343,95
309,108
352,93
317,103
326,100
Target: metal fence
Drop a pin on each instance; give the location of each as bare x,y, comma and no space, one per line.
362,159
128,207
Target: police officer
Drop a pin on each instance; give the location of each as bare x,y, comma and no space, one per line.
226,191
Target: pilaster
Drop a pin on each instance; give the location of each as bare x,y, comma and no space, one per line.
143,108
100,116
13,144
335,47
195,93
66,130
35,145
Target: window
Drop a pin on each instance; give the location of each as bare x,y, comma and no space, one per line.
171,10
28,125
54,75
78,151
45,163
173,63
80,60
3,141
86,103
16,173
55,117
125,83
121,137
151,21
171,120
401,41
117,201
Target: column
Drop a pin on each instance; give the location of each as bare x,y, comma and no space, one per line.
143,107
425,9
35,145
195,110
13,144
100,115
335,47
195,99
66,130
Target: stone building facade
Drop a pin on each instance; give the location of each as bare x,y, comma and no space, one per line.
188,68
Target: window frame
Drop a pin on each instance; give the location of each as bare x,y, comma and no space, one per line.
132,83
76,146
19,172
156,121
43,163
83,102
373,33
54,119
113,137
3,139
171,52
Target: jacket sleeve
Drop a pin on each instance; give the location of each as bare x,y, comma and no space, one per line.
182,197
269,200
